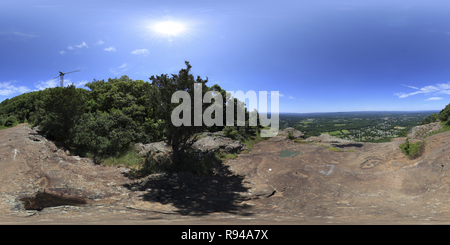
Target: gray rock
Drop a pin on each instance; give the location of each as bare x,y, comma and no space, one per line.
218,143
420,132
156,147
297,134
204,146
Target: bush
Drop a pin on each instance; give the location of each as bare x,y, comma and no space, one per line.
10,121
105,133
2,120
291,135
412,150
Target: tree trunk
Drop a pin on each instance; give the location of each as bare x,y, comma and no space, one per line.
175,153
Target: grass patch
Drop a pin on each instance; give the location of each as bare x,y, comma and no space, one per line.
339,124
302,141
345,131
129,159
334,149
336,133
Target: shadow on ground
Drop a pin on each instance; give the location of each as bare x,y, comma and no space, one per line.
197,195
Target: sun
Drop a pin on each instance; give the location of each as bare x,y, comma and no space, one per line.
169,27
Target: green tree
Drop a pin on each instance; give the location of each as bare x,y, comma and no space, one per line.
179,137
2,120
10,121
403,133
63,106
105,133
132,98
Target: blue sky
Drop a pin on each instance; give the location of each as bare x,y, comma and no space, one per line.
322,56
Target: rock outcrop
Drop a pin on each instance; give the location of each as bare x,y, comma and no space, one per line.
296,134
422,131
208,144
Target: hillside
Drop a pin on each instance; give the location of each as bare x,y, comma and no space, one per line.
279,181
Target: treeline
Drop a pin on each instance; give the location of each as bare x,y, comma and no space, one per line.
113,115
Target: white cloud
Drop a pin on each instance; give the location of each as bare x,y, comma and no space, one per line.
140,51
21,34
6,89
442,88
62,52
83,44
41,85
112,49
81,83
119,69
409,86
100,42
69,47
290,97
434,98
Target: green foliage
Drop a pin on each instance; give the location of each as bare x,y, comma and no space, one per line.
179,137
291,135
411,150
403,133
2,120
432,118
10,121
63,106
105,133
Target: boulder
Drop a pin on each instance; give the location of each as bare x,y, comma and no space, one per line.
297,134
422,131
210,144
205,145
160,148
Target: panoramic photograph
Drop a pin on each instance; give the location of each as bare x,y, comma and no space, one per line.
224,113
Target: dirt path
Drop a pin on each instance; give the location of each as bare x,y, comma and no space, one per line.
279,182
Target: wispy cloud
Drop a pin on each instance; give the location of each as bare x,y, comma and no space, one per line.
12,34
69,47
41,85
62,52
409,86
442,88
119,69
110,49
7,88
291,97
100,42
141,51
434,98
83,44
81,83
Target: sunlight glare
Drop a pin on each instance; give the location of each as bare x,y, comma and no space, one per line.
169,27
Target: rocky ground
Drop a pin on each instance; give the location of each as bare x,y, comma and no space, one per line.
278,182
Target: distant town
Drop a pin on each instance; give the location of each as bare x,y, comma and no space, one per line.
356,126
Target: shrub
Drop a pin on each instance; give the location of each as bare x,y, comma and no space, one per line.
10,121
2,120
412,150
291,135
105,133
